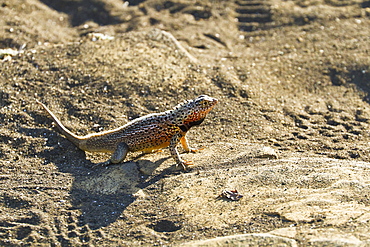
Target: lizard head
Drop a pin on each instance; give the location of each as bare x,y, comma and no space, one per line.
193,112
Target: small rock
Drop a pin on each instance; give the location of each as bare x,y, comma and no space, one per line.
266,153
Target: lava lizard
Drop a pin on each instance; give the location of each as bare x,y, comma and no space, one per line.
147,133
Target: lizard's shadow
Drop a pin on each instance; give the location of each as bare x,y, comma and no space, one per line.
101,193
106,192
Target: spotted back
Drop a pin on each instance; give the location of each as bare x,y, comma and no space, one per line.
152,131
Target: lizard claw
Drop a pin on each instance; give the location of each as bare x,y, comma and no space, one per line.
193,150
185,164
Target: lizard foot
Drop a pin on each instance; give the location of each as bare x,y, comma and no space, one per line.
193,150
185,164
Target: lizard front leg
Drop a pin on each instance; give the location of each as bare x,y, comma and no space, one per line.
175,154
185,145
119,155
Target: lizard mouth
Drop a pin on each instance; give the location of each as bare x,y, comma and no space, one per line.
212,104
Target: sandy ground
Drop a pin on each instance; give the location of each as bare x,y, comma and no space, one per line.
290,132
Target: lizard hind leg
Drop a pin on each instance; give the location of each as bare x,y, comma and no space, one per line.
119,155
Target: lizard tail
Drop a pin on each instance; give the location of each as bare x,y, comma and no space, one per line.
70,136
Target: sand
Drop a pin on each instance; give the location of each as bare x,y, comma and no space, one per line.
290,132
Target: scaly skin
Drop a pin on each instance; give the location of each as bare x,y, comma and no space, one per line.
147,133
